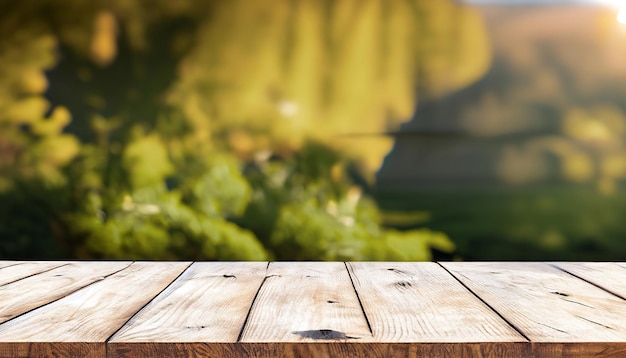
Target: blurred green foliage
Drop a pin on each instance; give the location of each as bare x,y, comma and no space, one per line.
116,143
540,223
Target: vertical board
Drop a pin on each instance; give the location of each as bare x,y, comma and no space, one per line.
306,301
546,304
27,294
422,302
607,275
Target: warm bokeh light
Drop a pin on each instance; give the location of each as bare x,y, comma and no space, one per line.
313,130
621,16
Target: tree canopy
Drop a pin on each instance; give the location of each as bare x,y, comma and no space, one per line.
213,130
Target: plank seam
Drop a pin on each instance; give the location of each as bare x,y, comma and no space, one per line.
511,324
34,274
106,341
15,264
256,295
588,281
367,320
69,293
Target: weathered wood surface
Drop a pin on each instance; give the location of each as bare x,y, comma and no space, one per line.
208,303
302,309
609,276
18,271
8,263
85,319
309,301
37,290
547,304
421,302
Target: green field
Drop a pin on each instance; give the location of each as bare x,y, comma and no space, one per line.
541,223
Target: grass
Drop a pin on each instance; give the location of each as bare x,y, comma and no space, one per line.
541,223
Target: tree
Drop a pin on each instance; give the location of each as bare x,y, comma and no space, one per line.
164,130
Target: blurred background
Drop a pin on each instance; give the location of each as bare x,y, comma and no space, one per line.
312,130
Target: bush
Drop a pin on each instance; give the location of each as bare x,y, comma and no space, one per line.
123,136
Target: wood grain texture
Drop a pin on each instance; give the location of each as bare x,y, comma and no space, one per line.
578,350
546,304
53,349
34,291
607,275
311,309
208,303
306,301
422,302
321,350
93,313
7,263
12,273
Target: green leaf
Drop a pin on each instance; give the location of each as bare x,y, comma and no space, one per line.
146,161
221,190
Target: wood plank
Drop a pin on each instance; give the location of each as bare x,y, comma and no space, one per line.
7,263
53,349
608,275
312,309
580,350
91,315
422,302
12,273
546,304
208,303
306,301
34,291
321,350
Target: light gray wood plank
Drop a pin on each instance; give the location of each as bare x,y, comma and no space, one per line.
34,291
546,304
94,313
422,302
306,301
607,275
208,303
12,273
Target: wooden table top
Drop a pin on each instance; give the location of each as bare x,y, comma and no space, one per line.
304,309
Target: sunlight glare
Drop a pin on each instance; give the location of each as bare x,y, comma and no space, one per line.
621,16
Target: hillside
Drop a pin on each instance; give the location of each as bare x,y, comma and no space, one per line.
556,72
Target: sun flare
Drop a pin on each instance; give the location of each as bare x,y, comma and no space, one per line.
621,16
